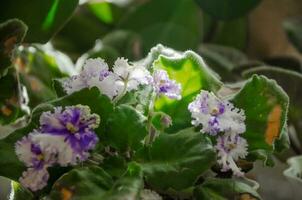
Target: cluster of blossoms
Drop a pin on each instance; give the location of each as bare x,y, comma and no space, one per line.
64,138
220,118
121,79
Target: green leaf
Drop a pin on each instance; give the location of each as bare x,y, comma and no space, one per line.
232,33
30,62
45,18
20,193
12,33
76,43
126,129
293,29
290,82
57,85
191,72
11,98
265,105
225,189
222,59
182,18
294,172
227,9
176,161
11,167
93,183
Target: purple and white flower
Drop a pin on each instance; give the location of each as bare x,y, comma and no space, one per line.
230,148
130,76
64,137
75,124
37,159
163,85
34,179
95,73
216,115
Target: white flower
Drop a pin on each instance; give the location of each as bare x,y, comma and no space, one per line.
130,76
231,147
96,73
149,195
216,115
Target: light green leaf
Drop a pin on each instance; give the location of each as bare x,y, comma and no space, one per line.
191,72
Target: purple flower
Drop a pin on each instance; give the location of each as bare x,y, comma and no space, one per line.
75,124
216,115
33,154
230,148
163,85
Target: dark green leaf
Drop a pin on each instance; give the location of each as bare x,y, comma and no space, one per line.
294,172
11,98
20,193
225,189
232,33
227,9
176,161
222,59
291,82
125,129
155,20
93,183
293,29
37,68
12,33
265,105
45,18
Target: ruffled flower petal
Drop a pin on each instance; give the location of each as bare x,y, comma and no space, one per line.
165,86
34,179
230,148
216,115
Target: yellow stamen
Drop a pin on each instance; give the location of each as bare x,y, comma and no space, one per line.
71,128
40,157
214,111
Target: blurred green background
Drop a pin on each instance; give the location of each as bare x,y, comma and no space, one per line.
235,37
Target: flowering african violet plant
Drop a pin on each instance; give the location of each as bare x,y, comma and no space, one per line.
165,127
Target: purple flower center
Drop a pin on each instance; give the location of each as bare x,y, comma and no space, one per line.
38,160
103,74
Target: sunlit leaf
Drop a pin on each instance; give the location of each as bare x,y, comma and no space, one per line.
191,72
